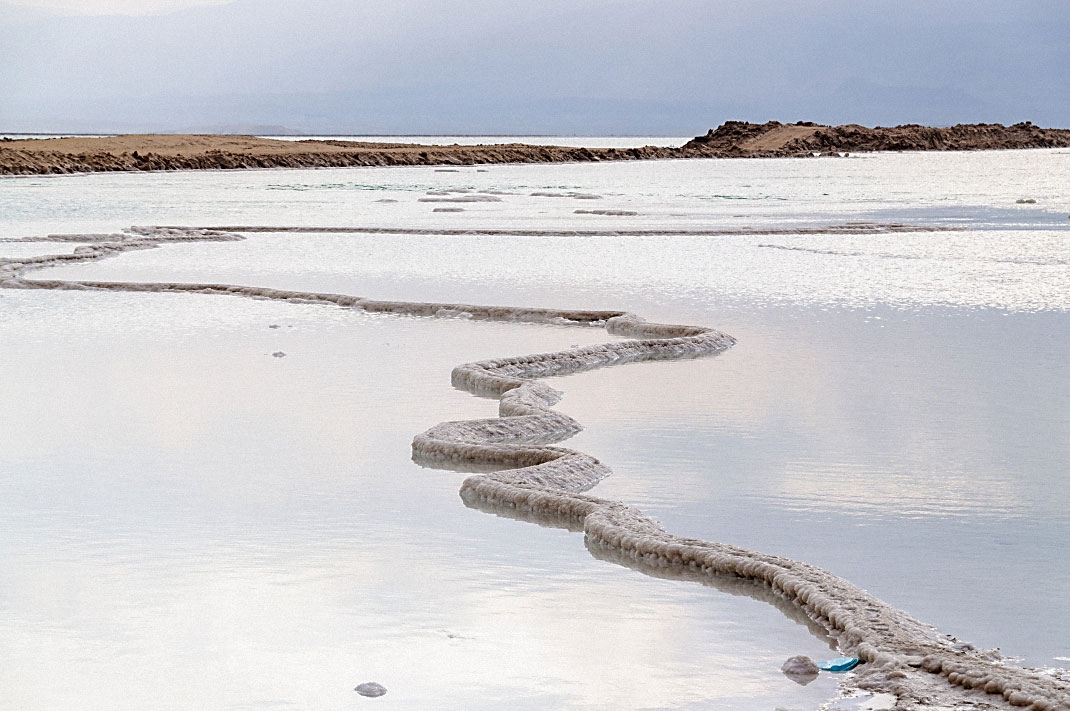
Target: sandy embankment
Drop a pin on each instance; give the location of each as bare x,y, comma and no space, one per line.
733,139
193,152
777,140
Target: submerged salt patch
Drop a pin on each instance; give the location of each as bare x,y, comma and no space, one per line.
613,213
574,195
865,702
370,689
847,228
462,198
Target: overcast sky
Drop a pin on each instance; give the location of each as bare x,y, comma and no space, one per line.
526,66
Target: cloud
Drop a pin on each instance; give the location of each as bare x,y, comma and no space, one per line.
114,7
613,66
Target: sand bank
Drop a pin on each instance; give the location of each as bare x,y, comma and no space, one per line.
733,139
193,152
773,139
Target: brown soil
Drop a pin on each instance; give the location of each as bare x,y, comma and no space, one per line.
177,152
733,139
777,137
774,139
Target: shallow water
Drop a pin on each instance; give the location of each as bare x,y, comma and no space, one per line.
579,141
190,518
897,410
16,250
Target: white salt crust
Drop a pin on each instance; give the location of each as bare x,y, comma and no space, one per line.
547,484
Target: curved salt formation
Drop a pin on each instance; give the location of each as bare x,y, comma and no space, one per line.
547,484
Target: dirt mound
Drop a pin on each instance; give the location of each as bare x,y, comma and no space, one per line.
194,152
774,139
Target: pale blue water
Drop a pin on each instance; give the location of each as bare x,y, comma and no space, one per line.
189,521
580,141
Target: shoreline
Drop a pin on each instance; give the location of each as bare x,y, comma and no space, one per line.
733,139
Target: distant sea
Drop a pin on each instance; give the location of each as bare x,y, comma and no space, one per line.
582,141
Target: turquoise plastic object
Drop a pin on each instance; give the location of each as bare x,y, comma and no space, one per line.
839,664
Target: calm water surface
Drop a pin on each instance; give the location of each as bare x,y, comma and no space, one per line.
579,141
187,519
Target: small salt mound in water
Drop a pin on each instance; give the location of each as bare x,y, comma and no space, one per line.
577,196
613,213
799,665
448,209
800,669
370,689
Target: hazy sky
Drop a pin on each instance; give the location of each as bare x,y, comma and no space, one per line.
555,66
114,7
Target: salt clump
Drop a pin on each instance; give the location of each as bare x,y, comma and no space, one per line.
800,669
370,689
800,665
462,198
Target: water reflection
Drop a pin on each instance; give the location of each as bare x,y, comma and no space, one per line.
756,590
188,519
194,522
